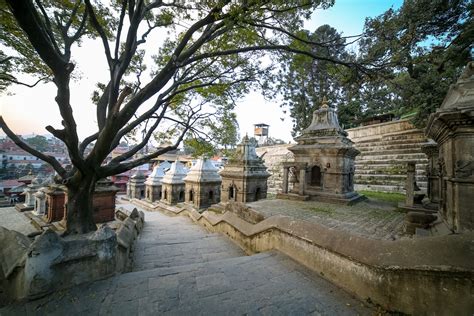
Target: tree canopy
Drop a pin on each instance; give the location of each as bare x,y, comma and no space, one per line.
410,56
209,58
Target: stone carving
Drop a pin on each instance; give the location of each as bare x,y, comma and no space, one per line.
464,169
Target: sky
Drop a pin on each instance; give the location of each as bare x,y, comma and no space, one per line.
29,110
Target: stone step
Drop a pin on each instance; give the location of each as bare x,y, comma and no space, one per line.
378,151
385,181
388,171
416,147
384,142
405,136
392,161
402,157
395,177
394,138
365,165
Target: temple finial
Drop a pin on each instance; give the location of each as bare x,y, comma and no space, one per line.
324,104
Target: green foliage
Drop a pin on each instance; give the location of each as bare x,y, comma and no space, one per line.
198,148
38,142
304,81
419,50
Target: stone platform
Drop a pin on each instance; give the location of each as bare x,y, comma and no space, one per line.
369,219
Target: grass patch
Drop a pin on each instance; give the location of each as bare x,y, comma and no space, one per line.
384,196
321,209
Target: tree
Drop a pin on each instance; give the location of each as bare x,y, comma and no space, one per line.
38,142
304,81
418,51
209,59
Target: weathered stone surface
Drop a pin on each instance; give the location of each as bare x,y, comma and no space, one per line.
244,177
136,186
172,185
244,212
13,250
452,127
323,166
202,184
274,158
153,182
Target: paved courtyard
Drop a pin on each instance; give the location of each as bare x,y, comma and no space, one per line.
180,268
370,219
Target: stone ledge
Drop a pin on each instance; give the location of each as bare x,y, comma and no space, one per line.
408,276
52,263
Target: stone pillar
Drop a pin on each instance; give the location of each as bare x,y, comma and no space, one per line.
285,180
302,181
410,184
432,152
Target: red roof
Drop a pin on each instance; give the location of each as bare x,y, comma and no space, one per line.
10,183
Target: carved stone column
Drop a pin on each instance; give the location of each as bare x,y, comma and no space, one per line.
285,179
302,181
432,171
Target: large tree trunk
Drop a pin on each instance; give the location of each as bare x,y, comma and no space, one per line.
79,219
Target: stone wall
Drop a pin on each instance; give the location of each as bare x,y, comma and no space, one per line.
33,269
274,157
381,166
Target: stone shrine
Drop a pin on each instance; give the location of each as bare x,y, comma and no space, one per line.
55,202
153,183
103,201
323,169
172,185
244,177
40,202
29,193
136,186
202,184
452,127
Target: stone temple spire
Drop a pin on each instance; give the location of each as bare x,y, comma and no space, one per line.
324,123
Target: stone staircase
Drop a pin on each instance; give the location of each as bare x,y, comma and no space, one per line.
381,165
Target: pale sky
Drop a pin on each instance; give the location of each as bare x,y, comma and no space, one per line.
29,110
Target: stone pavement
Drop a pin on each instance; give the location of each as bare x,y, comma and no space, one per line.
182,269
370,219
11,219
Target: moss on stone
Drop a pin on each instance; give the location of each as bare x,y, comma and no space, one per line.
384,196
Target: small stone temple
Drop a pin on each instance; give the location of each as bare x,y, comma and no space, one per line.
153,184
244,177
55,202
103,201
172,185
136,186
202,184
29,192
452,128
324,157
40,202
